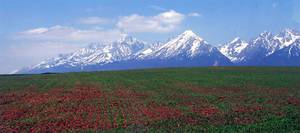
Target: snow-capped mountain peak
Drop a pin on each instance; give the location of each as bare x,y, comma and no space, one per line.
263,38
148,50
96,53
233,49
236,40
125,38
189,33
187,43
289,31
265,34
264,45
187,49
93,46
287,37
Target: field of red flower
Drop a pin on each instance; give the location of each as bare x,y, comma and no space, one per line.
81,108
181,107
89,108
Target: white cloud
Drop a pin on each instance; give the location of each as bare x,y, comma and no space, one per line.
68,34
34,45
41,50
30,53
194,14
94,20
163,22
37,31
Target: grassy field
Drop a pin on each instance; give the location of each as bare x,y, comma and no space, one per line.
211,99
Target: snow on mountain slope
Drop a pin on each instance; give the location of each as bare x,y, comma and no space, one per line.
266,44
287,37
147,50
96,53
186,44
232,49
257,49
187,49
287,56
293,50
252,52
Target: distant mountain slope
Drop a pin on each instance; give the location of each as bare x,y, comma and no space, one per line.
233,49
287,56
255,52
94,54
185,50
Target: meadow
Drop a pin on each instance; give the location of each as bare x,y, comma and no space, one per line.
205,99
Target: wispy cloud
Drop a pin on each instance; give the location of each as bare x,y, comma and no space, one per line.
30,53
69,34
156,7
33,45
163,22
194,14
94,20
36,31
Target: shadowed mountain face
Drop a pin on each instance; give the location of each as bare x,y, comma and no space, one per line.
258,51
185,50
287,56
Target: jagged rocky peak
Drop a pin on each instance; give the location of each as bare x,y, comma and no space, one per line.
187,44
236,40
289,31
129,41
189,34
185,47
187,39
233,49
94,45
266,35
125,38
287,36
264,39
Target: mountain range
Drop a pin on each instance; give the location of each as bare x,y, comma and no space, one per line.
185,50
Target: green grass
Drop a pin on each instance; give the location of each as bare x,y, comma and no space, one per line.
154,79
162,84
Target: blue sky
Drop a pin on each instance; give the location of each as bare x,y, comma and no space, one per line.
33,30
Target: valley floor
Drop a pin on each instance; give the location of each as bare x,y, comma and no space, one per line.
208,99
